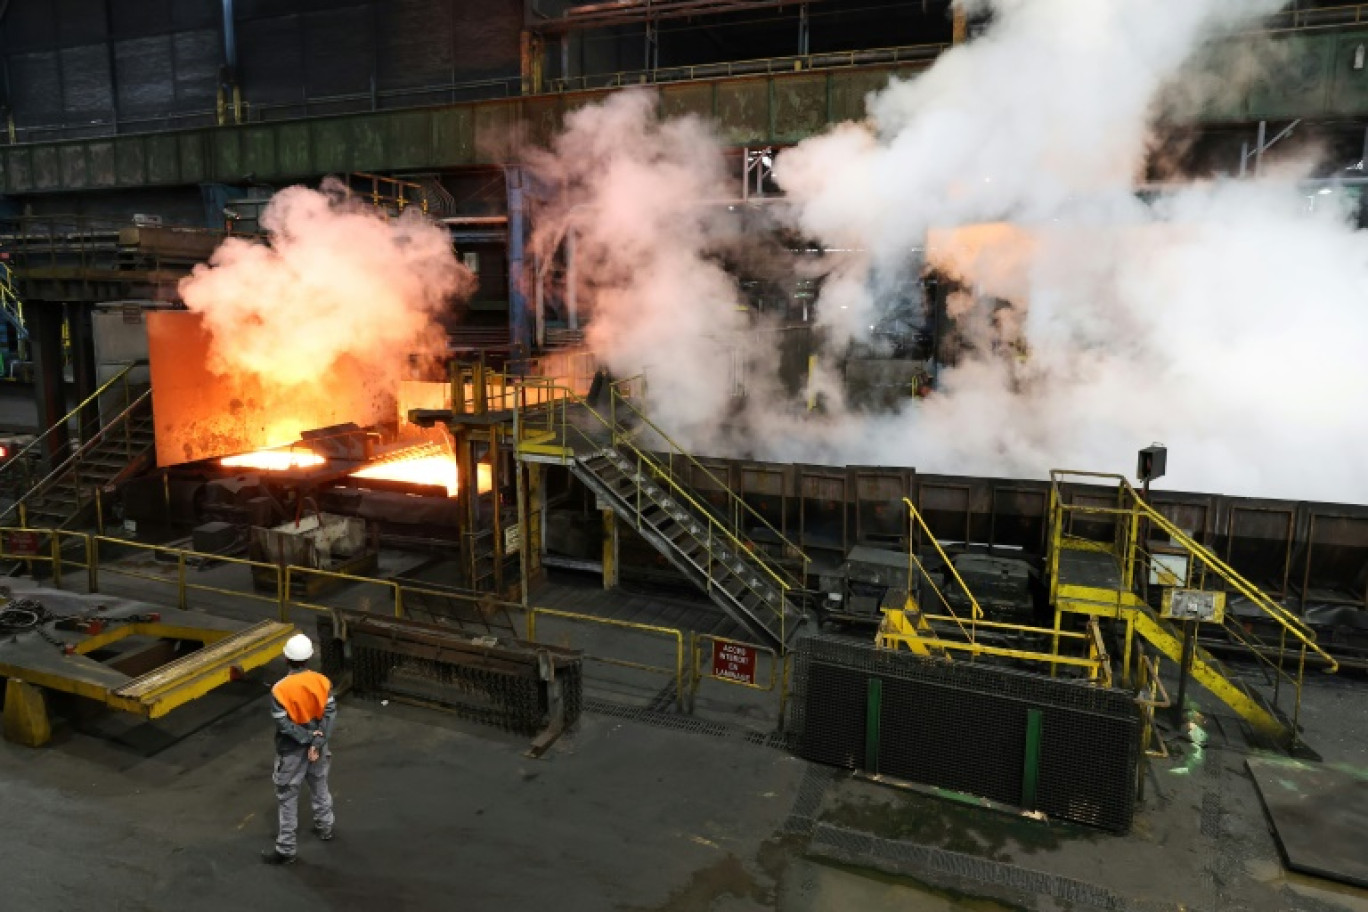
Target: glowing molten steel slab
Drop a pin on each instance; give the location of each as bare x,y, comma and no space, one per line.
425,468
273,460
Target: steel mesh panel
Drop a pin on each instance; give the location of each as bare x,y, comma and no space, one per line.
512,698
962,726
955,739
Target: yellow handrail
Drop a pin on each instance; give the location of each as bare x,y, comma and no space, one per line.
75,412
73,461
565,396
735,500
964,587
1288,621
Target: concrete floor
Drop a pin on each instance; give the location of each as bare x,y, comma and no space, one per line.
639,808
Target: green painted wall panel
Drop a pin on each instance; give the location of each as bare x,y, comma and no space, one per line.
1295,77
800,107
1349,86
163,159
100,164
4,172
259,152
368,140
331,147
130,161
542,119
294,151
192,161
848,91
20,169
743,111
47,168
410,140
1308,75
453,136
687,98
74,171
226,146
496,131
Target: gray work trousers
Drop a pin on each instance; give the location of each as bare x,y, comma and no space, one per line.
291,770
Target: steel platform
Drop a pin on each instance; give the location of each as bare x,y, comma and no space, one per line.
1319,815
127,655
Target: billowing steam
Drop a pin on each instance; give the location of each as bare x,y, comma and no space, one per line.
1224,320
633,194
318,321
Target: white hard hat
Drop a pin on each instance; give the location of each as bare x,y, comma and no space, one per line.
298,648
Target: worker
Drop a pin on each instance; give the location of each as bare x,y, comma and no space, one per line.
303,707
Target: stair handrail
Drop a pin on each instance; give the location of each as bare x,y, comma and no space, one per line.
566,396
9,300
976,614
1289,621
737,501
75,457
19,457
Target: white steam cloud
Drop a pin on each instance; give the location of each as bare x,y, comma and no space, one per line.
1224,320
329,307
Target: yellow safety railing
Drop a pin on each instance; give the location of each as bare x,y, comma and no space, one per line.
678,672
1130,517
550,409
18,473
778,670
916,522
1129,513
623,392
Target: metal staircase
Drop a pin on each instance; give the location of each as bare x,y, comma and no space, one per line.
1113,555
58,493
713,543
11,309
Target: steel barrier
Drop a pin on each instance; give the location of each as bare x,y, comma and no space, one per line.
679,671
778,671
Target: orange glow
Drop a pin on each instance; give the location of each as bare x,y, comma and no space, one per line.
426,466
274,460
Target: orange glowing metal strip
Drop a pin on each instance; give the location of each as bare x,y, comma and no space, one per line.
274,460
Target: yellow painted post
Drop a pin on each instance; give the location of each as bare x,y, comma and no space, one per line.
92,565
282,588
56,545
959,25
1126,656
99,509
26,719
679,670
180,580
532,625
398,600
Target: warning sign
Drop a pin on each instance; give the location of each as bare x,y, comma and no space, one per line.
733,662
22,543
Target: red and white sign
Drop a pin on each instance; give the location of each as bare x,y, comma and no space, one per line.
22,543
733,662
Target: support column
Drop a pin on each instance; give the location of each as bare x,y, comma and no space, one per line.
26,718
81,325
959,25
45,339
519,322
610,549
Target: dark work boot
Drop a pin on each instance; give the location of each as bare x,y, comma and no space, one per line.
323,833
276,857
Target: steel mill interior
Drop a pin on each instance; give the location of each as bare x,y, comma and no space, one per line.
722,455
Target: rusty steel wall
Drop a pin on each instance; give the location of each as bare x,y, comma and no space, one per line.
200,414
1300,551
